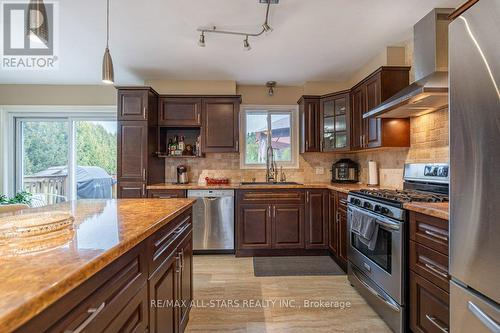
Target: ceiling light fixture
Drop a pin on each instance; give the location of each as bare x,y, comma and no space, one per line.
108,75
246,44
266,28
201,41
37,24
270,85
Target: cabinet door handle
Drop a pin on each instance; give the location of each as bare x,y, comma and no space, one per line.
198,117
307,144
144,174
144,112
269,212
178,263
237,145
274,211
143,190
94,312
437,323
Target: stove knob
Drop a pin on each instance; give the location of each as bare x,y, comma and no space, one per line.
377,208
367,204
384,210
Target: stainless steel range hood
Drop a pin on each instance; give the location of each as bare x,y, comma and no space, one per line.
429,92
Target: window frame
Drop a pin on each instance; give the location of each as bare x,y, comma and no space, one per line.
13,115
293,110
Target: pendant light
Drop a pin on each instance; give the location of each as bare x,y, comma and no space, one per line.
108,75
37,24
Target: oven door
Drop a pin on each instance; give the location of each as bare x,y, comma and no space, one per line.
384,264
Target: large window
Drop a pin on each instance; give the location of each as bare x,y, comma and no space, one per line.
65,158
269,126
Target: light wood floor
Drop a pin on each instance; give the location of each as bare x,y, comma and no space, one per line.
224,278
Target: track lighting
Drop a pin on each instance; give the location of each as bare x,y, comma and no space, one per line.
246,44
265,28
108,74
201,41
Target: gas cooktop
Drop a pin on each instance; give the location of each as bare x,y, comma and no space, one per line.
402,196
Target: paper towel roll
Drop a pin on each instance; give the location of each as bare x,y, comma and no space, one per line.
372,173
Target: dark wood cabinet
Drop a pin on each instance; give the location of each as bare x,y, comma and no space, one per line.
220,129
185,284
429,307
131,190
429,278
180,111
254,226
316,219
309,119
132,151
337,227
137,142
368,94
287,226
335,122
133,104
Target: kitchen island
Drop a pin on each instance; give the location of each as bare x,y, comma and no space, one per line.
104,276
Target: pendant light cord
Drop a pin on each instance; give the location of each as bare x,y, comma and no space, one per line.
107,24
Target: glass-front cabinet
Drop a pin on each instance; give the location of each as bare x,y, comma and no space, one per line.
335,122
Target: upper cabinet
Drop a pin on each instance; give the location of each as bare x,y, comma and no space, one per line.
334,122
368,94
309,117
180,111
220,130
133,104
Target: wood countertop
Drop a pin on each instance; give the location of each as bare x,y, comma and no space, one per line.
344,188
436,209
104,230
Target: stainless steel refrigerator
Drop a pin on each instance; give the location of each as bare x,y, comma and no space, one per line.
474,51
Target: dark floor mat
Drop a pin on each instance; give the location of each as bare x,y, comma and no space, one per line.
295,266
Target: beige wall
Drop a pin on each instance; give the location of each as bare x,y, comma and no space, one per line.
193,87
33,94
257,95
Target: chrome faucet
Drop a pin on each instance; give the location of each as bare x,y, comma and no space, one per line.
271,170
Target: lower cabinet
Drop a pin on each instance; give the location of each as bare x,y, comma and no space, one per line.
277,226
316,221
429,279
147,289
131,190
337,227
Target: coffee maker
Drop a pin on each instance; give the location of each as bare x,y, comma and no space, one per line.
182,175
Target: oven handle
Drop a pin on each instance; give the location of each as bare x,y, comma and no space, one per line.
380,220
388,302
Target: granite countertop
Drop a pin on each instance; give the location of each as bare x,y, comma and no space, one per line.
345,188
436,209
104,230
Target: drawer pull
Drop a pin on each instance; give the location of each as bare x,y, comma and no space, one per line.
94,312
430,265
437,323
487,321
436,270
436,235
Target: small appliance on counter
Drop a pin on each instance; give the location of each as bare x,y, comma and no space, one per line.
182,176
345,171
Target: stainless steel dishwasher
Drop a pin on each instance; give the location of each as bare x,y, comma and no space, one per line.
213,221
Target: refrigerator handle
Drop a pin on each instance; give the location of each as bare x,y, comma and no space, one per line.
491,324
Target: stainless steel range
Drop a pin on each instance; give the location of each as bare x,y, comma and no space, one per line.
378,267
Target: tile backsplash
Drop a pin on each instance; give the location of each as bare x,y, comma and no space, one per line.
428,140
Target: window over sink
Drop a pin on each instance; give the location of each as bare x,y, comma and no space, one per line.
264,126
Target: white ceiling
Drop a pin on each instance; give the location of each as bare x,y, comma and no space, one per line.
313,40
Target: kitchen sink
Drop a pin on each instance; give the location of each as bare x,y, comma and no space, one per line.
269,183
